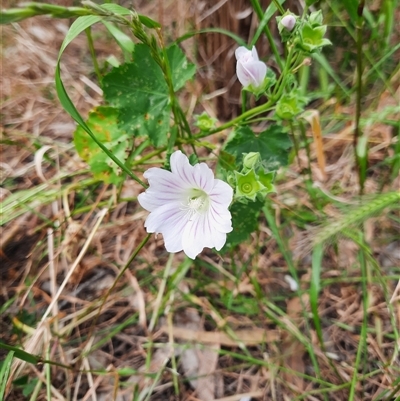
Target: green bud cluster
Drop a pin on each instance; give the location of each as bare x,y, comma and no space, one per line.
290,105
205,122
307,35
252,181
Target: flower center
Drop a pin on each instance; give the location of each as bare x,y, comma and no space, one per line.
197,203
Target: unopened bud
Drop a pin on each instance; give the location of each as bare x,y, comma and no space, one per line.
250,160
288,21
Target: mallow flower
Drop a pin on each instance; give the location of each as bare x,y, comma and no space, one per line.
250,70
188,206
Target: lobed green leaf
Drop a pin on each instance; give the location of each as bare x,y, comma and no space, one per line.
140,93
103,123
273,144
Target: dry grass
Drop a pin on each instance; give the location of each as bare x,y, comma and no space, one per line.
214,324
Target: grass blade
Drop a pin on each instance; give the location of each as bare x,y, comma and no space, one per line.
4,372
315,288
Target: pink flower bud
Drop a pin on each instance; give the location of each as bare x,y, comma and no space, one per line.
288,21
249,69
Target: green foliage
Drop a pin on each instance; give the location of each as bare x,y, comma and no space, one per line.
103,123
141,94
247,185
273,144
26,384
4,372
290,105
351,8
23,355
76,28
205,122
244,222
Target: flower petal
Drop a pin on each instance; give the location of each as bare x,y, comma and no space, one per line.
199,176
241,52
221,219
222,193
164,187
170,221
252,72
198,234
254,53
219,240
243,75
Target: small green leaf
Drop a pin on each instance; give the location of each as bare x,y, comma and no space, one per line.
30,387
273,144
312,37
124,41
78,26
148,22
116,9
103,123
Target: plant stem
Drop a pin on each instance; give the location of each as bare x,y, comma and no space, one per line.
357,131
257,8
88,32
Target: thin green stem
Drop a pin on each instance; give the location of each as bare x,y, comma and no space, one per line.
363,336
359,153
249,113
278,6
244,101
295,143
257,8
88,32
48,374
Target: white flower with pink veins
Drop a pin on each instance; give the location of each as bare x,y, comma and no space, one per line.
188,206
249,69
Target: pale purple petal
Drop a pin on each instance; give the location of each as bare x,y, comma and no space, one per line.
199,176
221,193
251,73
165,218
203,176
198,235
219,240
288,21
241,52
220,219
181,167
259,71
254,53
164,187
243,75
